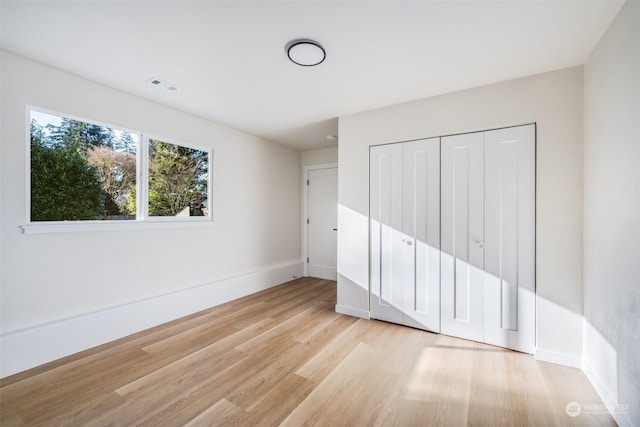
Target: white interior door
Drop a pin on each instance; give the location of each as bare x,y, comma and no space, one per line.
322,214
462,236
421,233
510,238
385,209
405,233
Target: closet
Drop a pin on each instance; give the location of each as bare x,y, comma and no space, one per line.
452,223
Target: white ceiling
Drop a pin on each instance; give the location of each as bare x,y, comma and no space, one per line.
229,61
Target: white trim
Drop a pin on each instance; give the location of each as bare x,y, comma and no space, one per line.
600,366
35,346
558,358
604,394
142,182
30,107
350,311
305,209
83,226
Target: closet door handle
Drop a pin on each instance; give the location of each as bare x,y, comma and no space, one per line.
407,241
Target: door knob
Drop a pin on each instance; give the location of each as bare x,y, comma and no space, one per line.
335,229
479,244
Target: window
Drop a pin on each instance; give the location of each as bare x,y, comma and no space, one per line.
178,180
83,171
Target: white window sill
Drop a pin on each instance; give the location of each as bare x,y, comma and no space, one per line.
83,226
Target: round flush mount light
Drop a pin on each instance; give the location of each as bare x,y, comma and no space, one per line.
305,52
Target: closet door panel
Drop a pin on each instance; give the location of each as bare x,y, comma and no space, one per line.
421,228
462,236
510,231
387,262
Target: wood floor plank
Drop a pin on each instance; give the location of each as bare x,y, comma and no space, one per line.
525,383
489,398
9,417
12,421
204,334
254,388
567,385
278,334
84,412
325,361
322,318
284,357
270,340
222,413
441,379
187,406
293,355
53,395
361,380
285,310
278,403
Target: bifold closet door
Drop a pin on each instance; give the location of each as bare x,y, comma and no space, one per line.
453,235
405,233
488,237
462,236
387,247
421,233
509,258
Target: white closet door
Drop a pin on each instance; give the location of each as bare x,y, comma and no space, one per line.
421,229
386,232
462,236
510,238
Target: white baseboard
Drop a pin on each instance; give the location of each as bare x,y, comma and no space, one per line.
350,311
605,395
326,273
600,366
35,346
558,358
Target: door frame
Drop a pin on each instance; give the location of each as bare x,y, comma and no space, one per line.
305,210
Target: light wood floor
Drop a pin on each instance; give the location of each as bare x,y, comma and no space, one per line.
283,356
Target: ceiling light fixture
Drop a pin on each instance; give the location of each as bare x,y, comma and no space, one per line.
305,52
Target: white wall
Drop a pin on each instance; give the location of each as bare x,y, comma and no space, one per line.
612,214
50,277
321,156
552,100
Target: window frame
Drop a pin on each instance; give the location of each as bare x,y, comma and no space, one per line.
143,176
143,219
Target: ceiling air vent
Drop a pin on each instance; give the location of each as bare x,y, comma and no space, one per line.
163,84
